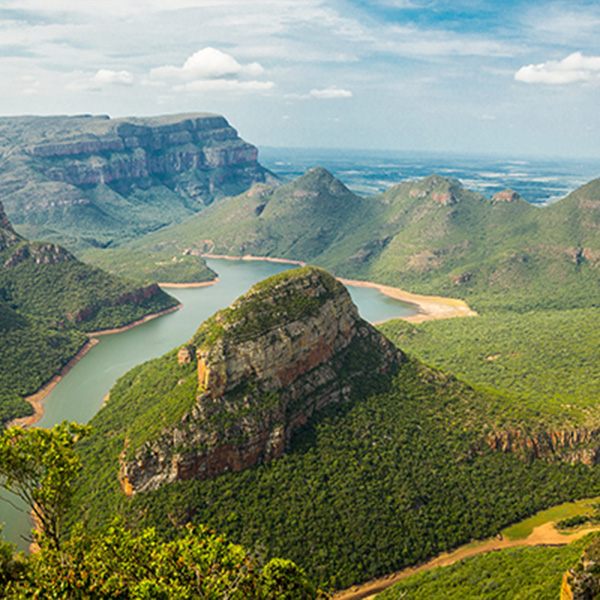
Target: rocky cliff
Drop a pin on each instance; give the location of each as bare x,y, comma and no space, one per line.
8,237
580,445
291,346
98,179
582,582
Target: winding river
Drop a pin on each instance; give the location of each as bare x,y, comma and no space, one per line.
80,394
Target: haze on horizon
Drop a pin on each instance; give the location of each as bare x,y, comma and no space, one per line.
514,77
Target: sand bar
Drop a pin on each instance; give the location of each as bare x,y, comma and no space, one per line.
189,285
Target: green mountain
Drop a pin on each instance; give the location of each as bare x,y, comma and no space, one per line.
48,300
90,181
287,422
431,236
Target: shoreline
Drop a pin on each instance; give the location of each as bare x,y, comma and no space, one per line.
251,257
429,308
543,535
189,285
36,399
134,323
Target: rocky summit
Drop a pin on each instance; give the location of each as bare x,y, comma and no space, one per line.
289,347
92,180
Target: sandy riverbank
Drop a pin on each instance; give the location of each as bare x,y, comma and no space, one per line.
429,307
250,257
36,399
544,535
189,285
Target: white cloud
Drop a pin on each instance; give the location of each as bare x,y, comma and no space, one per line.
211,70
330,93
107,77
208,63
574,68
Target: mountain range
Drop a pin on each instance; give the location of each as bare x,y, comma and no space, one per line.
430,236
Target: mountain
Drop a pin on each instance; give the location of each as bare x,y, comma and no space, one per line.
48,299
262,367
430,236
288,422
88,181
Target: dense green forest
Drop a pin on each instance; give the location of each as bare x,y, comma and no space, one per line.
368,487
525,573
431,236
48,299
544,362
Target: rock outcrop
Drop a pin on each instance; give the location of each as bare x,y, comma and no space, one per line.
570,445
291,346
8,237
582,582
506,195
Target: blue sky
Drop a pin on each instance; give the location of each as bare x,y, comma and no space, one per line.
511,77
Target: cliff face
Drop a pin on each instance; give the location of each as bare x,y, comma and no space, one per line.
570,445
294,344
135,150
8,237
582,582
86,176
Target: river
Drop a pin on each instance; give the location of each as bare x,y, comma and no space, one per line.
80,394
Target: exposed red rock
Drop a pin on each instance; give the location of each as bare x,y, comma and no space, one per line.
258,383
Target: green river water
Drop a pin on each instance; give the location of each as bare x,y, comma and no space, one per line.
80,394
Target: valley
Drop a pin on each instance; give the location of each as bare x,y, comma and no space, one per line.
286,422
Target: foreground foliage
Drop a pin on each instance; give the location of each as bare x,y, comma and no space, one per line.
112,562
39,465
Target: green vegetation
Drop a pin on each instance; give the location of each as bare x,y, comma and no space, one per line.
94,182
30,354
368,486
431,236
585,508
38,465
524,573
151,265
48,299
544,364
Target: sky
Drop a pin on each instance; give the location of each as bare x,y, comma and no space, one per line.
513,77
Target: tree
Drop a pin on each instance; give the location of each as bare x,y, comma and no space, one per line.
38,466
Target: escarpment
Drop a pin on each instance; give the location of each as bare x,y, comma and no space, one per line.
92,180
578,445
582,582
8,237
291,346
